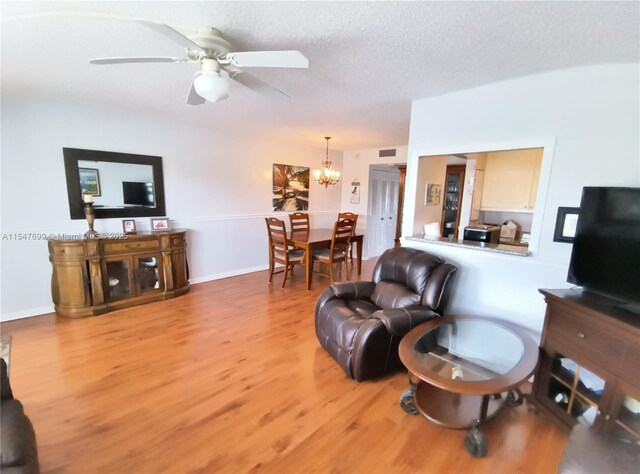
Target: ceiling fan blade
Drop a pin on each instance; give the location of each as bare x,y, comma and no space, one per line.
257,85
128,60
172,33
193,98
292,59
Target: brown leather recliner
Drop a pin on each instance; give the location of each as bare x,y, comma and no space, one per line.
360,323
18,451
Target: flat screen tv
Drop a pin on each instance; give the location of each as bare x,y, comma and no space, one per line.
138,194
606,251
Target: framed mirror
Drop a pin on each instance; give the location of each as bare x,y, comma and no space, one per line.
122,184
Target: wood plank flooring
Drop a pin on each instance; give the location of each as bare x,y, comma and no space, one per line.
230,378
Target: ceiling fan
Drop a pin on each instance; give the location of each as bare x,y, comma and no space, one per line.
207,47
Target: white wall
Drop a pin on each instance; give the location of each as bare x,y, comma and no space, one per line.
217,186
356,165
592,116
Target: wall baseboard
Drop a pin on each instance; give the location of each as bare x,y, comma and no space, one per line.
27,313
220,276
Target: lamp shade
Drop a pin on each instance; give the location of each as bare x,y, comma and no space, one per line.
211,86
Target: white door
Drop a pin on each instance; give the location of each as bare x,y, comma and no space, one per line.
383,211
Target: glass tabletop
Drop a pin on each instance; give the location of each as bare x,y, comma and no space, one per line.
469,350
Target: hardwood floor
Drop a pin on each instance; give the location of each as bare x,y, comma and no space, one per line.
230,378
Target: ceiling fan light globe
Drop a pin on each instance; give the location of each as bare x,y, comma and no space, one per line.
211,86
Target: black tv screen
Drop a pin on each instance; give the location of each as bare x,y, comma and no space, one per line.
138,194
606,251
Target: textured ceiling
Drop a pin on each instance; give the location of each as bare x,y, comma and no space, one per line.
367,60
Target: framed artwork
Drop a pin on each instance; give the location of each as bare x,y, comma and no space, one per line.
355,192
432,194
159,224
290,188
89,181
566,223
129,226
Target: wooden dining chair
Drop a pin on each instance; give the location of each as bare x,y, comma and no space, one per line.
281,250
340,241
299,221
354,218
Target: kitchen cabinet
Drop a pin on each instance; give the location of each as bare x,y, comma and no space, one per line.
588,371
94,276
511,180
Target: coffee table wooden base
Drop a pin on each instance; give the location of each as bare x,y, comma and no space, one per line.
453,410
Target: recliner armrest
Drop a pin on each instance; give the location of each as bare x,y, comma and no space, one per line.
400,321
348,290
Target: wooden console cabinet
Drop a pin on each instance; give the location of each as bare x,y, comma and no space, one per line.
95,276
589,369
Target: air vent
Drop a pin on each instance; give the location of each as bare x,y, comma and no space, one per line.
383,153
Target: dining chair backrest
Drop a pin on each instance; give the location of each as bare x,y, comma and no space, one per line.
352,216
277,236
299,221
342,231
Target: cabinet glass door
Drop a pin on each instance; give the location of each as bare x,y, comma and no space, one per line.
149,271
118,278
627,424
574,389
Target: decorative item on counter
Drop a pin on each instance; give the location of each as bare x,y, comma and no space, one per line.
432,229
90,214
355,191
508,229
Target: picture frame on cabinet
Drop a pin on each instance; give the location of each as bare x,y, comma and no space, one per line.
129,226
159,224
566,223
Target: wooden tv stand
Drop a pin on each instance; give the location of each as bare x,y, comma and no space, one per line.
95,276
589,369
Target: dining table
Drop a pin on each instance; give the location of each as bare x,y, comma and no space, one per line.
314,239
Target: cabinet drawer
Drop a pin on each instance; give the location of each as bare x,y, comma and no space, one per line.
69,250
580,335
119,247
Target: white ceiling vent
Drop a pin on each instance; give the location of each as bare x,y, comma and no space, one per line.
385,153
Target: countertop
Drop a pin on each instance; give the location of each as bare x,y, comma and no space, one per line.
517,250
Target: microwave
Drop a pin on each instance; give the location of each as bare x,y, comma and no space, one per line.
489,234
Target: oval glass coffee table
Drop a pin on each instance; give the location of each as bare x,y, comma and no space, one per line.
463,370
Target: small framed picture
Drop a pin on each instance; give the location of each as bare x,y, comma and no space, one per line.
432,194
160,223
129,226
566,223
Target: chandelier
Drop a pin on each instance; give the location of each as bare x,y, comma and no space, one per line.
327,175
